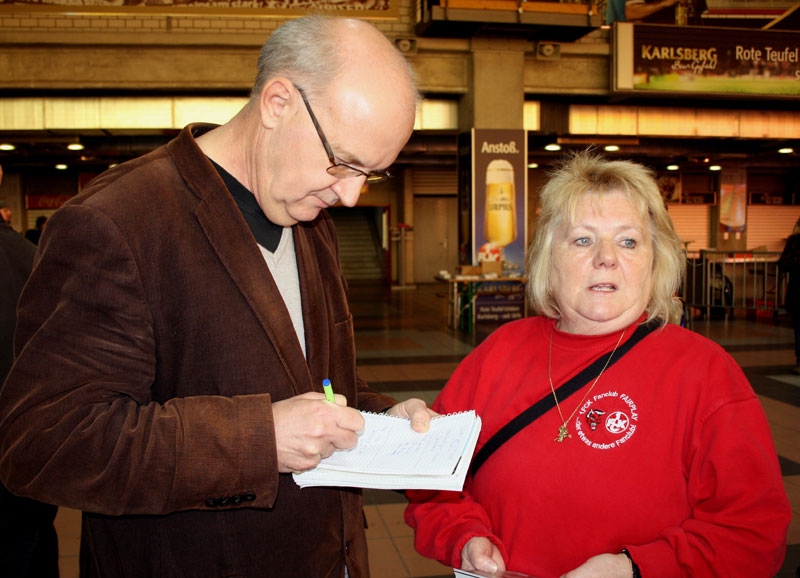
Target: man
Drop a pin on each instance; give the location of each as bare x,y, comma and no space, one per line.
183,313
28,542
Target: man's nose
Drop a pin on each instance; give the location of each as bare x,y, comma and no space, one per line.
349,190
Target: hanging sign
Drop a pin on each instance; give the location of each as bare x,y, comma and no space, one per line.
706,60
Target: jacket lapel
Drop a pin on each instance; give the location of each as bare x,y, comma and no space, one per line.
314,298
236,248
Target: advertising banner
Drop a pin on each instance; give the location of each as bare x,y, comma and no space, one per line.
496,303
733,202
499,303
706,60
499,185
46,202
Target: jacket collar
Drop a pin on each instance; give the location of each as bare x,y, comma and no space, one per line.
234,244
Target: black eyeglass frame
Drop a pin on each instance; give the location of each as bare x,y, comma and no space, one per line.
338,169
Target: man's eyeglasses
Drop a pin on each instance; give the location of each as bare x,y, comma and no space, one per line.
337,169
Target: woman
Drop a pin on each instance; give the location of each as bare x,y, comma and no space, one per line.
660,465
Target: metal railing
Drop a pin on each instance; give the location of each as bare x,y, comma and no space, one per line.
720,281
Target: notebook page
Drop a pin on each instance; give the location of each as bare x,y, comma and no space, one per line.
389,445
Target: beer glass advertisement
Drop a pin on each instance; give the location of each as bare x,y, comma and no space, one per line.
499,185
733,202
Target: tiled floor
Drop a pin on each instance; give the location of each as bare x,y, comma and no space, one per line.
405,349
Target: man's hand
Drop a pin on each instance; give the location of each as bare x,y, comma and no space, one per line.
416,411
603,566
309,428
480,553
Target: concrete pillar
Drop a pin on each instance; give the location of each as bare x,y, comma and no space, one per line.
496,90
494,100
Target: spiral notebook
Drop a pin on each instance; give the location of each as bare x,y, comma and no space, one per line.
392,456
479,574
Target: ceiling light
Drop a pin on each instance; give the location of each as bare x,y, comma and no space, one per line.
553,147
75,146
7,146
672,167
533,165
598,140
611,148
715,168
61,167
783,151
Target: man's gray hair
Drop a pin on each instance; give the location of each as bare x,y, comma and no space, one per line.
309,51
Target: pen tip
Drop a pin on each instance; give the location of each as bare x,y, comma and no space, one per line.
326,382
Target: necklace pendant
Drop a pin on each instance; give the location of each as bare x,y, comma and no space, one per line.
563,432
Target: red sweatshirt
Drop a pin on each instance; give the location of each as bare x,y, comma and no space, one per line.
670,457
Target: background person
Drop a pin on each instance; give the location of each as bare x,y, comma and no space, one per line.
680,12
33,235
182,314
28,541
789,262
665,455
5,211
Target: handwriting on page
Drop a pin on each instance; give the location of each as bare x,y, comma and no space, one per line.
391,456
404,450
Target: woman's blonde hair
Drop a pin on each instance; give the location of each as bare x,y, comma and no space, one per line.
587,172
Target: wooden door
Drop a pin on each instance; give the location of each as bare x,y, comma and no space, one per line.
435,236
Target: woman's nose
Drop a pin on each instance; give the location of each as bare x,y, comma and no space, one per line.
605,255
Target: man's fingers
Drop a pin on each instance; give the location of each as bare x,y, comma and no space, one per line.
347,440
349,419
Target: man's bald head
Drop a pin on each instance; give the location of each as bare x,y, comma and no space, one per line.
316,51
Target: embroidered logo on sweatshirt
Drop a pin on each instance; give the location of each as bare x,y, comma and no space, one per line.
607,420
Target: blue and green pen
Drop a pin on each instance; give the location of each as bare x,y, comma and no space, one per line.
328,388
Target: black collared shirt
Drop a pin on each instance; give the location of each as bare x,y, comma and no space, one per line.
267,233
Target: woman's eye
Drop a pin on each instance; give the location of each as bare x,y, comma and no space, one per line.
582,241
629,243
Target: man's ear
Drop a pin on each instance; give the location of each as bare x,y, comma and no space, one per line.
274,99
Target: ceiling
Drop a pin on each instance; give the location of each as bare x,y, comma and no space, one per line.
440,150
569,21
43,150
40,151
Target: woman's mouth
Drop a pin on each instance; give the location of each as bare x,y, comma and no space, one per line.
604,287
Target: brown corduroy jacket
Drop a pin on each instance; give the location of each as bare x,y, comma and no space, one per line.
152,340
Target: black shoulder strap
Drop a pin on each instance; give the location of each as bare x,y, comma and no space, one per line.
547,402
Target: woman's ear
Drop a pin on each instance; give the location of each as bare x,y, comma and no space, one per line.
274,98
